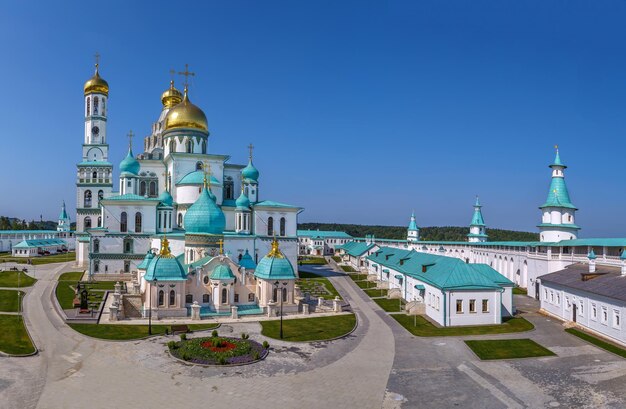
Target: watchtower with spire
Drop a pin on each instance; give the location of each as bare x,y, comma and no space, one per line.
413,232
477,232
557,221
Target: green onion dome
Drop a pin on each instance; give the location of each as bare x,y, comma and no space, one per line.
250,172
129,164
166,199
274,266
205,216
146,261
242,202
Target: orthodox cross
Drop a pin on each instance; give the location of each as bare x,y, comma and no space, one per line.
251,148
187,74
130,139
221,243
165,176
97,57
207,174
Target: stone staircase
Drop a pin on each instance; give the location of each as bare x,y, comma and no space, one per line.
132,306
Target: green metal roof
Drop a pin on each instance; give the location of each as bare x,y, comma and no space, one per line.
204,216
412,224
250,172
247,262
274,268
166,198
196,178
558,195
356,248
563,226
39,243
130,164
419,287
94,163
130,197
270,203
477,218
222,272
324,234
242,202
146,261
165,269
63,215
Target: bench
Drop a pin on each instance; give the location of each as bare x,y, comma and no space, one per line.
180,329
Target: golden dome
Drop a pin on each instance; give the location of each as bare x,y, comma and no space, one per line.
171,96
96,84
186,115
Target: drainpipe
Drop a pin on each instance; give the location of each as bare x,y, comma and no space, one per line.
444,307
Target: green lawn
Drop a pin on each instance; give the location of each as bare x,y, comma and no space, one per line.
390,304
337,259
64,293
376,292
13,337
318,261
365,284
508,349
310,329
425,329
317,286
598,342
348,269
8,300
9,279
129,332
519,291
55,258
358,277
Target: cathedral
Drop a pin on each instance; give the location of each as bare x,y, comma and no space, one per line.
183,219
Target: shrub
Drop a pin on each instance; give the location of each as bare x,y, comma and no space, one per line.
214,333
183,337
266,344
244,335
256,356
171,345
221,360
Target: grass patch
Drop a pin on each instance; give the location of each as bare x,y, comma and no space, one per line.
129,332
390,304
376,292
317,261
8,300
365,284
358,277
13,337
607,346
337,259
317,286
64,291
348,269
508,349
425,329
54,258
310,329
519,291
10,278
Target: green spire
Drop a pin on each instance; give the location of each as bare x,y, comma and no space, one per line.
412,224
477,219
558,195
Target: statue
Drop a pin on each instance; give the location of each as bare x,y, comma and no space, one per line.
84,301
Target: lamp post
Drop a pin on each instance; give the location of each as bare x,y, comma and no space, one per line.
154,282
277,285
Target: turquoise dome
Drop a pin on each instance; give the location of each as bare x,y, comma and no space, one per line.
146,261
250,172
165,269
274,266
166,199
247,262
205,216
130,164
222,272
242,202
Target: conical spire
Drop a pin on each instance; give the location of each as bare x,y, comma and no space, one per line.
412,223
63,215
477,219
558,195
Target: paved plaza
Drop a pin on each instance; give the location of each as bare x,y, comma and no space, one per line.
379,365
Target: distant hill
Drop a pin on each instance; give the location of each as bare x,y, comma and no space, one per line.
445,233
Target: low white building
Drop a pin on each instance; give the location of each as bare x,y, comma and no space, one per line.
451,292
39,247
355,253
589,295
320,242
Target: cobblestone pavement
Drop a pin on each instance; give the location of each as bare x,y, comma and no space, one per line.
380,364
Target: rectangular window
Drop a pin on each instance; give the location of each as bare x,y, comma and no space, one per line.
250,297
236,297
605,315
616,319
551,297
594,311
459,306
472,306
568,305
581,310
558,299
485,305
545,294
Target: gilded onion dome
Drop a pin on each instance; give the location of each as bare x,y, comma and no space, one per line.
96,84
186,115
171,96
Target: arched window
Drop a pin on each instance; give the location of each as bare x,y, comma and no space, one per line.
96,266
270,226
88,106
100,195
229,188
224,296
87,222
189,299
189,146
172,298
99,221
284,295
123,222
87,198
203,146
142,188
161,297
180,220
198,165
96,246
138,222
94,175
275,295
160,225
95,105
103,112
128,245
282,226
153,188
172,145
206,298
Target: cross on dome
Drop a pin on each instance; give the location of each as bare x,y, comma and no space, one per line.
187,74
130,138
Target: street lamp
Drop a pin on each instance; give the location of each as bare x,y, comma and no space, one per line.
154,282
284,285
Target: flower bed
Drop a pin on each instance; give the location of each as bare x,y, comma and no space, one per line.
218,350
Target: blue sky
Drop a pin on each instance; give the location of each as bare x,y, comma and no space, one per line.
360,111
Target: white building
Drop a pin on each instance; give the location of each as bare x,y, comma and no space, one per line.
320,242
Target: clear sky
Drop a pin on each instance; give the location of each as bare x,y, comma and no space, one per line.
360,111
